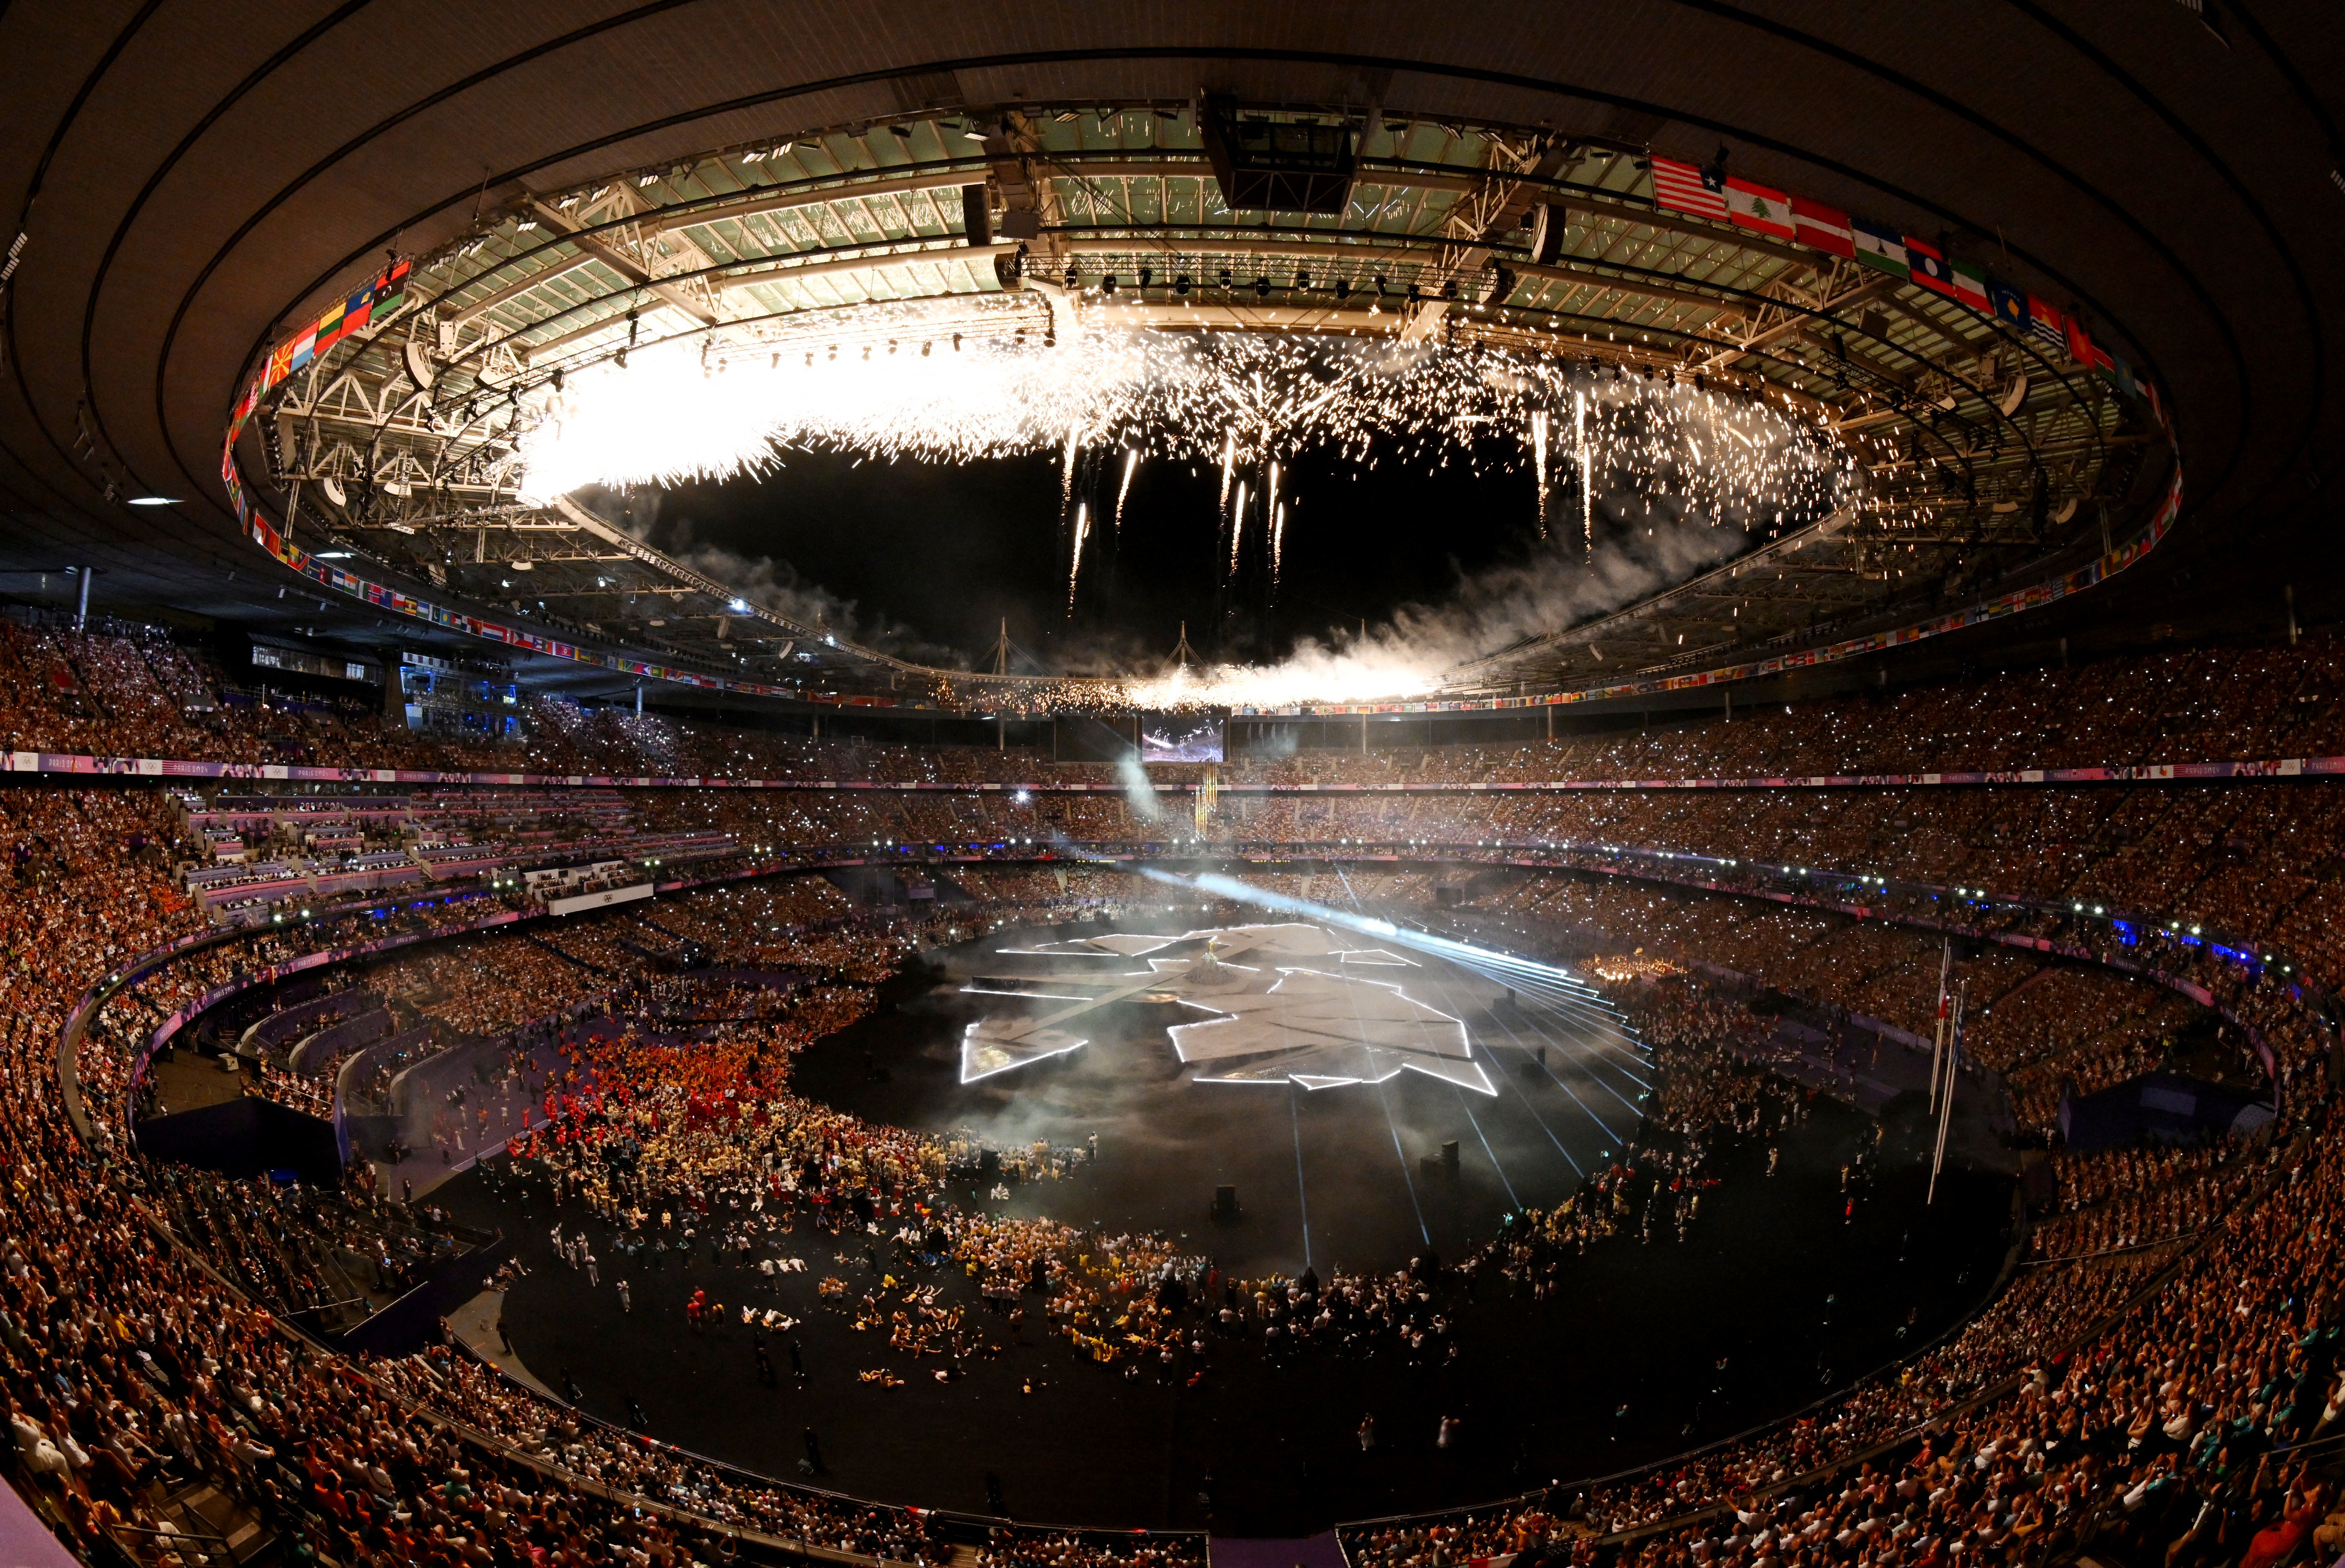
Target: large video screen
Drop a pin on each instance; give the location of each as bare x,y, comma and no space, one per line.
1180,738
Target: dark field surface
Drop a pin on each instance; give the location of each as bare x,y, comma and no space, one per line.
1536,1384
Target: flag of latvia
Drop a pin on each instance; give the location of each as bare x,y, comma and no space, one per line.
1929,266
1755,207
1679,188
1822,228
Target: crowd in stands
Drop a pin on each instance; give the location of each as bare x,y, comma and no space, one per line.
133,691
2155,1403
446,1379
2127,1197
2146,1382
132,1376
1712,1052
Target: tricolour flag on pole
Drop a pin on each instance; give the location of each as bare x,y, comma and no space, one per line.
1880,248
1930,269
2045,323
1970,286
1680,188
331,326
1753,206
1822,228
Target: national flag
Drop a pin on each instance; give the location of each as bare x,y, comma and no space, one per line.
2045,322
389,291
361,309
1883,249
2122,374
2080,341
305,349
1682,187
355,313
2007,305
1755,206
1822,228
1971,286
331,326
280,365
1930,269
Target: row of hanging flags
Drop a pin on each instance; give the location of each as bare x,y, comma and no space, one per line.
375,303
1819,226
383,298
1677,187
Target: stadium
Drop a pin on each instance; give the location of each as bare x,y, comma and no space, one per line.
1076,788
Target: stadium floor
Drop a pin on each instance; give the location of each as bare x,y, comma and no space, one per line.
1643,1327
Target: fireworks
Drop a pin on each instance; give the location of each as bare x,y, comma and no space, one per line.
1642,450
1240,400
1538,462
1315,675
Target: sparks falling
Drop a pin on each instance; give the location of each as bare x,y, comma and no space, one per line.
1647,448
1131,466
1244,400
1538,462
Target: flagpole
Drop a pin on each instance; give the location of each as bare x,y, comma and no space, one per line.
1946,1107
1938,1033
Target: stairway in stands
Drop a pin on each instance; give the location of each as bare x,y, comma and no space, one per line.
226,1534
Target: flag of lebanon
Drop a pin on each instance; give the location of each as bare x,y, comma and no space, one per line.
1756,207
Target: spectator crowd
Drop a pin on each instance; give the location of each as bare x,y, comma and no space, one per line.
2154,1382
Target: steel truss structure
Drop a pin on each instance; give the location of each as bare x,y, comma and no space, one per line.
1984,460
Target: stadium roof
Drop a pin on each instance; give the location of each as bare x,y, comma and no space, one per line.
568,182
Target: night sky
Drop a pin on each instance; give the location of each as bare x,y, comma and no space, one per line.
945,553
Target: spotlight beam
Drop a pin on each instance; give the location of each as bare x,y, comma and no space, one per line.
1406,1180
1475,1123
1634,1109
1560,1083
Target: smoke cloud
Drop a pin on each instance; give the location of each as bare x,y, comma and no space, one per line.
764,581
1412,653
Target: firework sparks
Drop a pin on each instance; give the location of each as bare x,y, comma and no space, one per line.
1538,462
1646,448
1237,528
1586,475
1274,516
1242,398
1131,466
